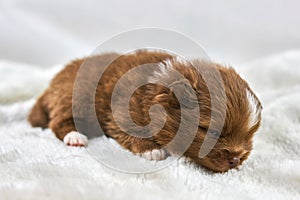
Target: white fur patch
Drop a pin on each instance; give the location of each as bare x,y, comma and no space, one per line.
75,139
162,72
164,68
182,61
254,109
155,154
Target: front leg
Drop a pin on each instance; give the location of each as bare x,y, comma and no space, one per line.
146,148
154,154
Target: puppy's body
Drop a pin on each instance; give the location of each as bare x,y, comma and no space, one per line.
54,108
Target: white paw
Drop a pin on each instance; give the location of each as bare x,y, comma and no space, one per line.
155,154
76,139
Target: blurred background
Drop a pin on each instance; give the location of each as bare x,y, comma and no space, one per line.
47,33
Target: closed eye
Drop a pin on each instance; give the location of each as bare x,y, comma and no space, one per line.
213,133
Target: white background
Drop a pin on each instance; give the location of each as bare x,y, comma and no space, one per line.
47,33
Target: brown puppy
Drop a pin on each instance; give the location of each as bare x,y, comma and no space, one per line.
242,119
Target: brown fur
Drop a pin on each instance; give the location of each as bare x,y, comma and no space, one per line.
54,108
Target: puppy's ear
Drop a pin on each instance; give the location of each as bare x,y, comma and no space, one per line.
185,94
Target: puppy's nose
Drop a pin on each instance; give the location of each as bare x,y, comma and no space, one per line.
233,162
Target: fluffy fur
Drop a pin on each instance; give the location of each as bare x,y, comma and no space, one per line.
54,108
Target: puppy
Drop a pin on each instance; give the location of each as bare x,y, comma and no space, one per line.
54,109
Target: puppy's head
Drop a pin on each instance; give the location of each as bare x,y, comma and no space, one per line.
232,130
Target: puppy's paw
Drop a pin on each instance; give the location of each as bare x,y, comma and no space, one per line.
155,154
76,139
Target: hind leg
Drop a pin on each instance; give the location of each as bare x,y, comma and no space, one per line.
38,117
75,139
65,130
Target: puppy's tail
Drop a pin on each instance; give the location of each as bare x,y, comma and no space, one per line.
38,117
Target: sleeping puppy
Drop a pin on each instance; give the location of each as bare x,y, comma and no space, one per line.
234,142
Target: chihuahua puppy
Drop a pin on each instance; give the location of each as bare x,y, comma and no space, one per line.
54,109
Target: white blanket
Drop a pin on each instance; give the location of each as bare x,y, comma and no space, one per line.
36,165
